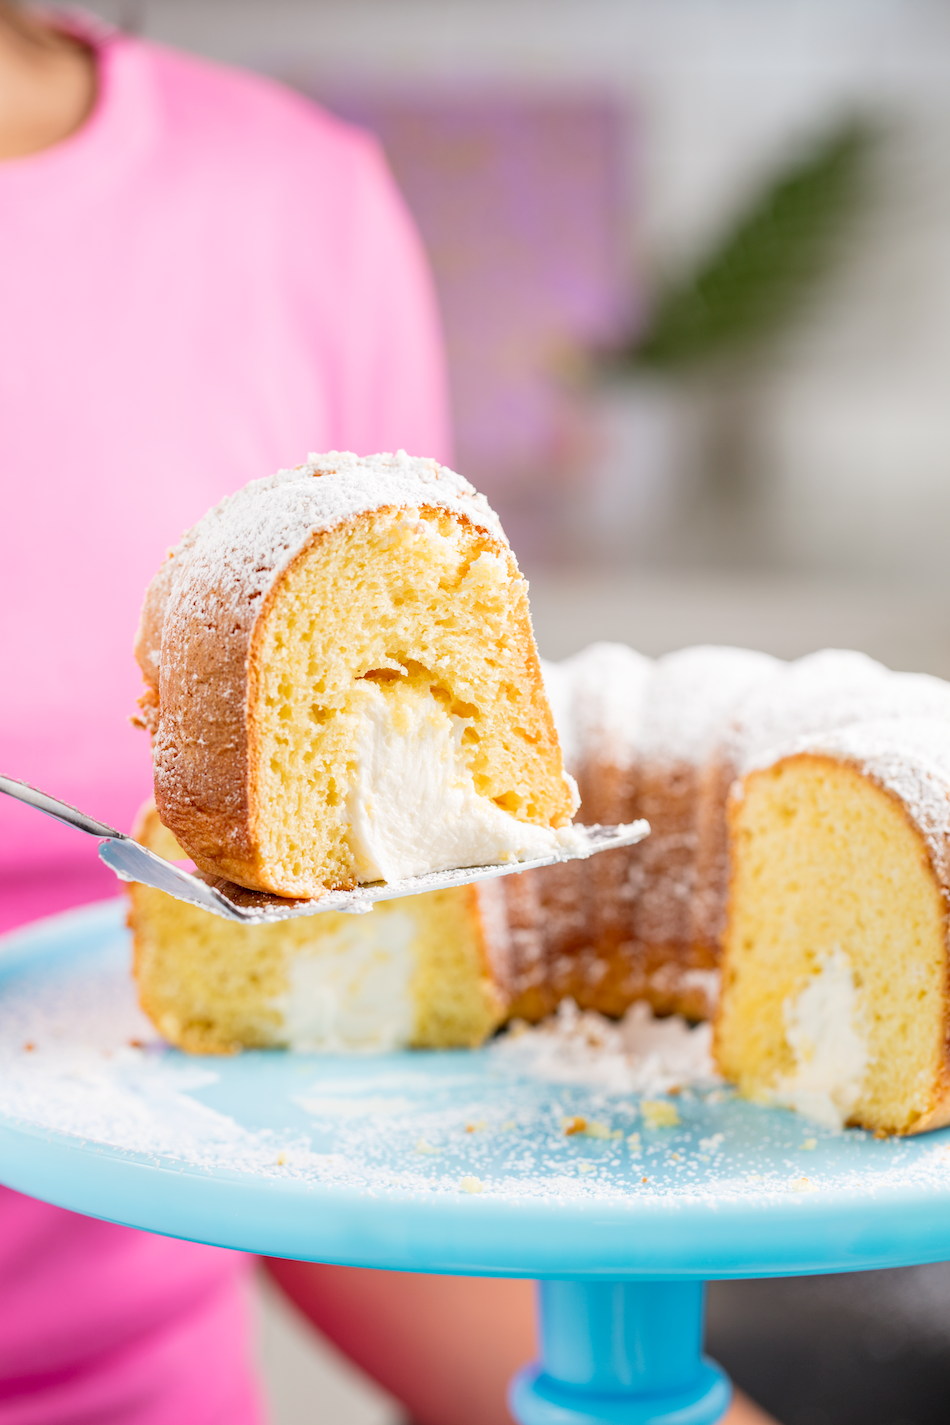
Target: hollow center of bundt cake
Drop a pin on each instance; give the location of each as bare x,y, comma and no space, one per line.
835,960
398,720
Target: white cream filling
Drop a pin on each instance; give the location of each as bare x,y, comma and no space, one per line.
353,990
412,803
822,1026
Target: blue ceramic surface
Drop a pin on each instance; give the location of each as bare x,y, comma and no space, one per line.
435,1162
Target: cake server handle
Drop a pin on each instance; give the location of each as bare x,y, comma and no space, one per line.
124,856
51,806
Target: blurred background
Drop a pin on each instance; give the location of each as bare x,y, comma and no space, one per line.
693,259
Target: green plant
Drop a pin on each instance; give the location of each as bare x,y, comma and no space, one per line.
765,268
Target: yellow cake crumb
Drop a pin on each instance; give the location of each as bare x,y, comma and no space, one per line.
658,1113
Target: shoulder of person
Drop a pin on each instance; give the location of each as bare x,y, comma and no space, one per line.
252,117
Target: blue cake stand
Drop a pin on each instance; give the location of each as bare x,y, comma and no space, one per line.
447,1162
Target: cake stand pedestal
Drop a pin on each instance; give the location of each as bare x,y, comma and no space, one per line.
627,1353
450,1162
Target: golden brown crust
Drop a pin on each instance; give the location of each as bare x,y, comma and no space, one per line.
580,930
199,727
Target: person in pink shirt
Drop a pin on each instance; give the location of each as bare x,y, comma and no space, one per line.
203,277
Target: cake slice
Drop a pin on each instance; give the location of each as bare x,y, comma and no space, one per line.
836,967
428,971
342,684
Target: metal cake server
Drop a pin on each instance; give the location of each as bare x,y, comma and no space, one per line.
132,862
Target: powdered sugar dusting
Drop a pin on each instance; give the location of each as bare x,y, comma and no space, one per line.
829,690
597,699
241,545
640,1054
691,694
910,757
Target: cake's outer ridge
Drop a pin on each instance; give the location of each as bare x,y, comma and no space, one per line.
823,691
692,695
597,698
248,538
636,733
688,702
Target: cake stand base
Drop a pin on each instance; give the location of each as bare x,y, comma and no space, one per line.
620,1353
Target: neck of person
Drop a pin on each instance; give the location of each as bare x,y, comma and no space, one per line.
47,83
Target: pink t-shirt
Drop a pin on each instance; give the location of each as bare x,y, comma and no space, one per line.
209,280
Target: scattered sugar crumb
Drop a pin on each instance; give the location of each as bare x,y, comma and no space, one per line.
801,1184
633,1139
476,1127
810,1143
423,1147
472,1185
642,1054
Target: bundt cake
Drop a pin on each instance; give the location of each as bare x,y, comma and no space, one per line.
801,839
342,684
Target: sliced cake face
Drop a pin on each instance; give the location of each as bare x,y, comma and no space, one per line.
835,968
357,700
426,971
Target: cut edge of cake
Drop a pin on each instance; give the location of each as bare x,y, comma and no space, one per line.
836,966
428,971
